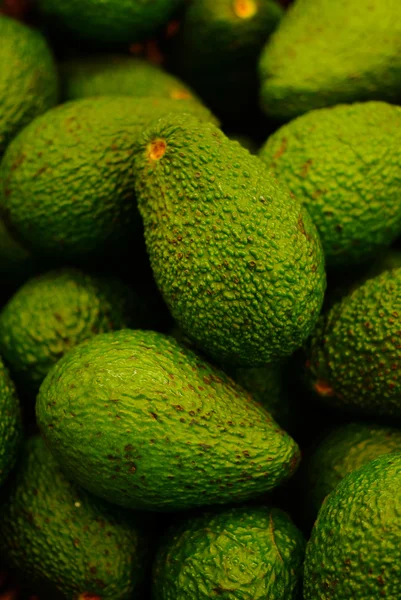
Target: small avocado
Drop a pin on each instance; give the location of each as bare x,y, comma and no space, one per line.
59,535
53,312
354,354
142,421
10,424
66,181
236,258
245,552
325,53
28,78
354,545
340,163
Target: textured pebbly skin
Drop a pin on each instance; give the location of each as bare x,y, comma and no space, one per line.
10,424
144,422
307,64
67,180
59,535
342,163
52,313
120,21
354,353
354,547
28,78
246,553
119,75
345,449
237,259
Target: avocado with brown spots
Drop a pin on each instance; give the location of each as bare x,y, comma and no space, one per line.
237,553
61,536
235,256
66,181
354,354
10,424
144,422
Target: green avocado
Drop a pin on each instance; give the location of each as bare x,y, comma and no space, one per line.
245,553
347,448
340,163
144,422
236,258
108,21
325,53
66,181
354,543
53,312
354,353
119,75
16,263
10,424
28,78
61,536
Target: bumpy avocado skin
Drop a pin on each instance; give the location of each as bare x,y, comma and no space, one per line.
144,422
246,552
111,21
237,259
28,78
52,313
342,163
119,75
10,424
325,53
67,181
357,535
58,534
354,352
345,449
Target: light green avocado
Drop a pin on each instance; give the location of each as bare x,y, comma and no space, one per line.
10,424
67,186
352,550
109,21
237,259
59,535
28,78
326,52
144,422
52,313
341,163
354,353
245,553
119,75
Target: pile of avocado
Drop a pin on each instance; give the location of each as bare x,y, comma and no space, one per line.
200,300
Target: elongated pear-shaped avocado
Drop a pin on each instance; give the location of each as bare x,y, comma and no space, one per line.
326,52
146,423
237,259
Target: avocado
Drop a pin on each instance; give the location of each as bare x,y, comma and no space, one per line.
345,449
237,259
108,21
144,422
119,75
28,78
325,53
61,536
10,424
66,181
217,48
244,552
55,311
340,163
354,353
354,543
16,263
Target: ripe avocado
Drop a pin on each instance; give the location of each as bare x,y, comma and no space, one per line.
144,422
236,258
10,424
245,552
